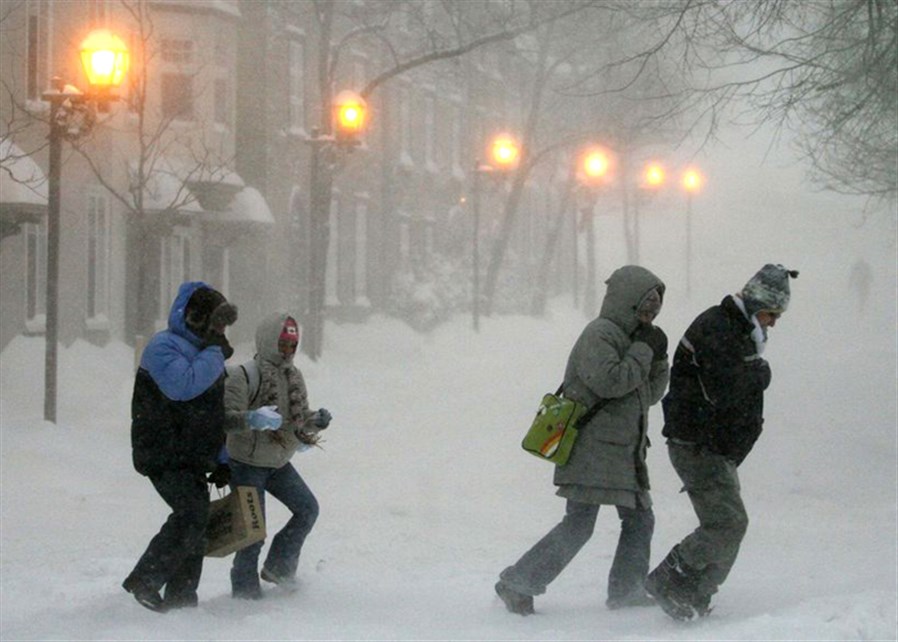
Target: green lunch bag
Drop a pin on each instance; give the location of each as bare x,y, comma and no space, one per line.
554,429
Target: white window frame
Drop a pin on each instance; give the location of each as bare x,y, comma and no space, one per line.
430,132
35,288
99,230
296,98
361,250
174,269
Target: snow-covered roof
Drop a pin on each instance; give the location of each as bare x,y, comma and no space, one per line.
164,190
22,181
247,206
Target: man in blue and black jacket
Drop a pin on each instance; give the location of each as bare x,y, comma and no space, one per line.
177,437
713,415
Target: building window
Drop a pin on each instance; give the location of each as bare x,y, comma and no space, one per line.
177,51
35,271
97,255
222,102
177,96
37,50
361,249
216,261
174,268
456,144
405,126
430,132
96,11
296,89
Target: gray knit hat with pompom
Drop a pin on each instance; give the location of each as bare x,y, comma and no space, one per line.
768,289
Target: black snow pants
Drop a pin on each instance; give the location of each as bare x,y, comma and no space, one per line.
174,557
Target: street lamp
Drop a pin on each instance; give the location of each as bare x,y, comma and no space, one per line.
504,153
651,180
593,171
692,183
348,119
72,115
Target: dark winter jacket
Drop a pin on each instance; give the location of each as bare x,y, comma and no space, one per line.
717,383
608,458
177,409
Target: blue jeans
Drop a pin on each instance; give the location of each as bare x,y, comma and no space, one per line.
286,486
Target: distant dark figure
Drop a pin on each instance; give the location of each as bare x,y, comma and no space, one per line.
860,280
713,415
620,357
177,437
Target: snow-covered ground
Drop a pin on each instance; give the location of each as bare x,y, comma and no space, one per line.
426,495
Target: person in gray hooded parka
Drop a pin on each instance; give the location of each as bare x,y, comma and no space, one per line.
268,420
621,359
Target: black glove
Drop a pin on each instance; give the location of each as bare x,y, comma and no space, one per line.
654,337
322,418
223,315
220,476
214,338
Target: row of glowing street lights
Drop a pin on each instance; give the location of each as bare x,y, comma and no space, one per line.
595,167
105,59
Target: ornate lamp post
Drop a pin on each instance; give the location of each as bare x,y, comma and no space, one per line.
593,171
692,183
348,120
505,152
72,115
652,179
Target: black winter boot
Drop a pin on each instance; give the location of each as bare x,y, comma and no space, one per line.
673,585
514,601
145,596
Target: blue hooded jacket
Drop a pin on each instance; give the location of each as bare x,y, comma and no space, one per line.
177,409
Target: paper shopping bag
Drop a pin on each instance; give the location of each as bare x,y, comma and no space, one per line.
235,522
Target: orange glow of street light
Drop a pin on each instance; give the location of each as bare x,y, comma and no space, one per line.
105,59
350,113
505,151
692,180
654,176
595,164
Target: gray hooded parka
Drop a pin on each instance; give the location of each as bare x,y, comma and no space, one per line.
259,448
608,461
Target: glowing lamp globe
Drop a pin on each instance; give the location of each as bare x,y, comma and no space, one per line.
505,152
105,59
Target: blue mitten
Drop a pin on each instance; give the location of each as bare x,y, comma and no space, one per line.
264,418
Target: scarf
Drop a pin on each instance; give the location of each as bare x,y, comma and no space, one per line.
758,334
295,415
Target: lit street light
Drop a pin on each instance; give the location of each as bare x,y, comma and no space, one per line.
692,183
593,171
72,114
505,152
652,179
348,120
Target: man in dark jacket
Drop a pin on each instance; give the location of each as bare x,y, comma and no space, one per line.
713,416
619,362
177,434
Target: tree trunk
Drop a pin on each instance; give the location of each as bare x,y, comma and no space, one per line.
541,293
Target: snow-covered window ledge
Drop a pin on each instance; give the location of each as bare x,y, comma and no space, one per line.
36,325
99,323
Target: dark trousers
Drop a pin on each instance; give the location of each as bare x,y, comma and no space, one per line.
544,562
712,482
285,485
174,557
